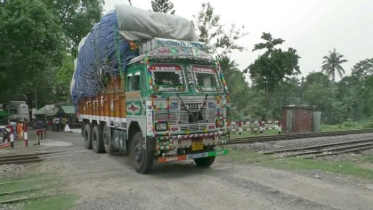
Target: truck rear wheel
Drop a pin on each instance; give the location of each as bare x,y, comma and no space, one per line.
82,129
88,136
141,159
108,143
97,140
204,162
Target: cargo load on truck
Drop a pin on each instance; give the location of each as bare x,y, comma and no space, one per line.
107,48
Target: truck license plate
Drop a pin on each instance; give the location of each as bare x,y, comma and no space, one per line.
197,145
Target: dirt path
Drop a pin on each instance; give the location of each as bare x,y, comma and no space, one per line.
108,182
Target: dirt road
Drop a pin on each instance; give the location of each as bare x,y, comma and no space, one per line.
108,182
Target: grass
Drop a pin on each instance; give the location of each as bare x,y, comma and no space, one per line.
58,202
347,168
34,181
348,125
245,157
50,182
368,158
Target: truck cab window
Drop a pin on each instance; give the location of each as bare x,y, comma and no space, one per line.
206,80
133,82
129,83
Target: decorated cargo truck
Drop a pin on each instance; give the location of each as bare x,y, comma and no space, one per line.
155,98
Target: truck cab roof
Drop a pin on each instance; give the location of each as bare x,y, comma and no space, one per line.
160,49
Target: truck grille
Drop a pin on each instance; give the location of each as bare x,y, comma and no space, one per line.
181,121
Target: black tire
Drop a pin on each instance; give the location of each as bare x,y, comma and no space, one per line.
97,140
204,162
88,136
107,141
141,159
82,129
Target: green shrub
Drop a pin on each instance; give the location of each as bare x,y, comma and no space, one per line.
368,125
348,125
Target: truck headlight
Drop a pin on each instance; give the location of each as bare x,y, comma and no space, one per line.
161,126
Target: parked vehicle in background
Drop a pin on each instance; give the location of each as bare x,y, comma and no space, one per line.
19,110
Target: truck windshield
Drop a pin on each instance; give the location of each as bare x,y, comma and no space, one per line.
206,79
167,78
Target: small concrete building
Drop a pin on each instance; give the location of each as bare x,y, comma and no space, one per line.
296,119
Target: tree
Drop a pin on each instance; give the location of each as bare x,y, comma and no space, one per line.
30,43
317,78
359,87
211,31
274,65
332,64
63,78
229,68
363,68
221,44
76,18
163,6
235,80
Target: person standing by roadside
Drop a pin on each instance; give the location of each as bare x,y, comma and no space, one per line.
14,124
40,125
55,124
64,121
20,130
49,122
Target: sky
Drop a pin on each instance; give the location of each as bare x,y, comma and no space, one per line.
312,27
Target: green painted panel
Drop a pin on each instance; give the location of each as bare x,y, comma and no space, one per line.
134,108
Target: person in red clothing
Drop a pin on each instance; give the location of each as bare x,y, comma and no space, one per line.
49,124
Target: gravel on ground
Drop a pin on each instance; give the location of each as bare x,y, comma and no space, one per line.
108,182
296,143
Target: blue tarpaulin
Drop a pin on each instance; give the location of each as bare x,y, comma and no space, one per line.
103,50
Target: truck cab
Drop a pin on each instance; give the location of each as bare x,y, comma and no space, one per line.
19,110
171,104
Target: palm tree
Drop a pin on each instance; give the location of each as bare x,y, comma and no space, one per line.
332,64
229,68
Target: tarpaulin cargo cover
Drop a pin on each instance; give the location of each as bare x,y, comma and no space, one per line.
106,49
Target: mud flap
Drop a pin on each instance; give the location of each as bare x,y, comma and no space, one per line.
123,140
149,143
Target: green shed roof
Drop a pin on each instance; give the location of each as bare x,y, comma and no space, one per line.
68,109
43,111
4,113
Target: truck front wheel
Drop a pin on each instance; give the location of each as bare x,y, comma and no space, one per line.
204,162
141,159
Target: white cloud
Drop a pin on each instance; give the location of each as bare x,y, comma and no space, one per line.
313,27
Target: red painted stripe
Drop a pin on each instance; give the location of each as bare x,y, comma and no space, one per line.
172,159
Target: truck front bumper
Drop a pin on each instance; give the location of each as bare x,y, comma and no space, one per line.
192,156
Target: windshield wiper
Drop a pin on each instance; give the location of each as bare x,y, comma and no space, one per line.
182,103
203,106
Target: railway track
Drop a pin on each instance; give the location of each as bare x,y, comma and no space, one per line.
29,158
246,140
38,157
321,150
